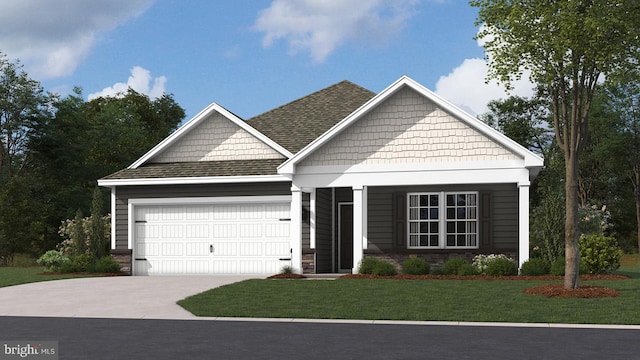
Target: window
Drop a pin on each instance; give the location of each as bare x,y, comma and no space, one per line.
443,220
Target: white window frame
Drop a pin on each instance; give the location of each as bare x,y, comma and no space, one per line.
441,220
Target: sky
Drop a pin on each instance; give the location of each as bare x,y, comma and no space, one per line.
248,56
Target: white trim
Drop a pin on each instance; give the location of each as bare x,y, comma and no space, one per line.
523,224
193,180
113,217
211,200
442,219
312,219
358,212
296,229
445,177
530,159
404,167
184,129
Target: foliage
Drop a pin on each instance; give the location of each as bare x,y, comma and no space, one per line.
287,269
105,264
599,253
53,260
467,269
72,230
482,261
98,233
415,266
557,267
501,267
594,219
547,226
453,265
77,263
18,227
536,267
384,268
566,46
367,264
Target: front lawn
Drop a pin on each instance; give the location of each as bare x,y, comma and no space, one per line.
420,300
22,275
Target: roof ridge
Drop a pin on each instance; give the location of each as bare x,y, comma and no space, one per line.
307,96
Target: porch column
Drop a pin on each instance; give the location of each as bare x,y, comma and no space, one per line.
312,219
523,224
296,229
358,220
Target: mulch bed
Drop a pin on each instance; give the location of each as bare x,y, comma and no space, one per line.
287,276
548,290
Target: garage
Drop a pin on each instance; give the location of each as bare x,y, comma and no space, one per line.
232,237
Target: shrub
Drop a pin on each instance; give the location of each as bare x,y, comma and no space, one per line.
535,267
415,266
557,266
52,260
452,265
599,253
482,261
78,263
501,266
467,269
105,264
384,268
287,269
367,265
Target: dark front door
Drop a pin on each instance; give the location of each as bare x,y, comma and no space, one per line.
345,236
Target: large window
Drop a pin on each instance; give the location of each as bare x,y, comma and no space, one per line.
443,220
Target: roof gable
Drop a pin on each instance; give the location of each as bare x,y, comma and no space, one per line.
212,145
510,146
296,124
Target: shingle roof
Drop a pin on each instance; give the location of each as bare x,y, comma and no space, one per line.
199,169
296,124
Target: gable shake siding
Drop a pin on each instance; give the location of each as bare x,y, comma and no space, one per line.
216,139
125,193
407,128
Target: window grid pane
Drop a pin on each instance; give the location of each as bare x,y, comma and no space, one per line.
461,212
424,219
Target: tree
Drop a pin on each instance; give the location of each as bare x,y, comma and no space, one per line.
567,46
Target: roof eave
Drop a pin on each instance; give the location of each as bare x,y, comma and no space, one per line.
192,180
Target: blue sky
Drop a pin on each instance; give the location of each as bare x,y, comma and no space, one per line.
248,55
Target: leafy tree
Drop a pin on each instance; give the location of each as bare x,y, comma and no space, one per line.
567,46
18,219
99,242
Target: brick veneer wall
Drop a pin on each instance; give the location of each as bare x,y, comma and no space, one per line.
123,258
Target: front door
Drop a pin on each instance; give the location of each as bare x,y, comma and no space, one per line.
345,237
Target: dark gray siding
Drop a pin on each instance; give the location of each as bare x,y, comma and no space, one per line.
306,221
124,193
504,213
324,231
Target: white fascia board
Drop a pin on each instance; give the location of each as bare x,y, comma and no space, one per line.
531,160
184,129
519,176
266,199
194,180
409,167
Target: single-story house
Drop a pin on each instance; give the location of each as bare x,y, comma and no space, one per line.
321,182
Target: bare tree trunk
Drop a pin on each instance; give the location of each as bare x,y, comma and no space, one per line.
572,251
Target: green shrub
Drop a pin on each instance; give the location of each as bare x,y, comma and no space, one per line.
384,268
535,267
53,260
557,267
287,269
500,266
452,265
105,264
467,269
415,266
599,253
367,265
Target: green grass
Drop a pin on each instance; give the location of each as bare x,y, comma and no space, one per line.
420,300
22,275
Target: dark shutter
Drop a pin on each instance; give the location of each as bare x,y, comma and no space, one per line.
399,219
486,227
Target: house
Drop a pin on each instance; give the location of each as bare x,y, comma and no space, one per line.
321,182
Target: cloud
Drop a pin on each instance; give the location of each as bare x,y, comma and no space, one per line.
320,26
52,37
140,81
466,86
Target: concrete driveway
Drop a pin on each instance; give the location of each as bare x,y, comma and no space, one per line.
125,297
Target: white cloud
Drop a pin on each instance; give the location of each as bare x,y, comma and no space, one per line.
466,86
320,26
52,37
140,81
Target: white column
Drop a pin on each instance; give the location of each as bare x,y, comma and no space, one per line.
296,229
357,226
113,217
312,219
523,223
365,217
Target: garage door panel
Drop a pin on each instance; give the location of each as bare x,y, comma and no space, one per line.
245,238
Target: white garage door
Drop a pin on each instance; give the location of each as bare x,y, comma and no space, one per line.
244,238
